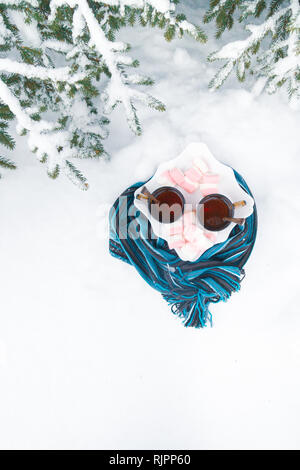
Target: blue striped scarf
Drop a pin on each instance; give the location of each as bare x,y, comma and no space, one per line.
188,287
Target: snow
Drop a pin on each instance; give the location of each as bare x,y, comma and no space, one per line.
78,24
28,31
90,356
59,46
58,74
162,6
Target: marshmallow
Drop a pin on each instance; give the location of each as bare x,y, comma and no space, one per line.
201,165
193,174
191,251
208,188
165,178
177,176
190,233
194,234
189,181
211,236
189,218
202,242
176,241
176,229
188,186
210,178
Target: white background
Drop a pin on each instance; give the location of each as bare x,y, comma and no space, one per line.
90,355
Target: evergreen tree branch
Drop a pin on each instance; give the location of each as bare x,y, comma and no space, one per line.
7,164
44,139
61,58
277,63
59,74
161,13
117,90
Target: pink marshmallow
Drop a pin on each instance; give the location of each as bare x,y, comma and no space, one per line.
211,236
195,235
189,218
210,178
201,165
176,229
189,228
176,241
202,243
176,244
190,234
188,187
177,176
192,251
165,178
193,174
207,189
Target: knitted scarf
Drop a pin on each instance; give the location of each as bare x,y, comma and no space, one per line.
188,287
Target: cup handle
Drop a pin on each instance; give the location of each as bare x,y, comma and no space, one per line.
239,204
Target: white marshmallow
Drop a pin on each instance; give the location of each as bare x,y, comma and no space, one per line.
201,165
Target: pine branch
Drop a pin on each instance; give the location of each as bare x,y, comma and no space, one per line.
6,139
222,11
158,13
93,75
279,62
6,163
60,74
76,176
117,90
50,145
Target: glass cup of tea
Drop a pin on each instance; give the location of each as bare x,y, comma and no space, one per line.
213,211
166,204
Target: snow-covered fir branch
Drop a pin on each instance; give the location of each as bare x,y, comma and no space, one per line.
49,144
160,12
59,74
163,6
118,89
278,60
33,85
61,57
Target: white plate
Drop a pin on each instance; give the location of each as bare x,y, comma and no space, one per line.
228,186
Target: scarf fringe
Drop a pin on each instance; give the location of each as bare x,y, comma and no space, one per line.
194,312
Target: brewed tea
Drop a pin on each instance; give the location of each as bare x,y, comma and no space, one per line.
215,208
170,204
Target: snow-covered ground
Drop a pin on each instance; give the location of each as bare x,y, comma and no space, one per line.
90,355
